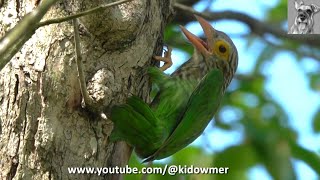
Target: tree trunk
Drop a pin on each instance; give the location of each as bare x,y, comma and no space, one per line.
45,130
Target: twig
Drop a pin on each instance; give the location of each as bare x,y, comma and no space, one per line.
11,43
297,51
87,99
90,11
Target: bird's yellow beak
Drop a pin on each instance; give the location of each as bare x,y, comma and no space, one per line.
205,48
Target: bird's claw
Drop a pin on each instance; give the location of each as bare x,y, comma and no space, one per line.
166,59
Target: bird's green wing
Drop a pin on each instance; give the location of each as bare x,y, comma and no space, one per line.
171,98
147,128
135,123
200,109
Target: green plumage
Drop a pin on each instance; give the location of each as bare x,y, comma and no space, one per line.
183,107
136,124
176,117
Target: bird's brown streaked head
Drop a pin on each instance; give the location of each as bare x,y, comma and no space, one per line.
218,49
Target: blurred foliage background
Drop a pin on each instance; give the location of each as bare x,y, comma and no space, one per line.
268,146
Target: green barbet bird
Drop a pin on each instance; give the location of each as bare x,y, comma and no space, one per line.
186,102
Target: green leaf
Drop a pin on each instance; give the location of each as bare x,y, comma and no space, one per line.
278,13
315,81
237,158
316,122
310,158
192,156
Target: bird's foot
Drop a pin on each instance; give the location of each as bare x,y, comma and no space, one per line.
166,59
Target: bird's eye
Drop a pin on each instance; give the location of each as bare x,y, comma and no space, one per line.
221,48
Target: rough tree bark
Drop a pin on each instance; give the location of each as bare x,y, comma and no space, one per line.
44,128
